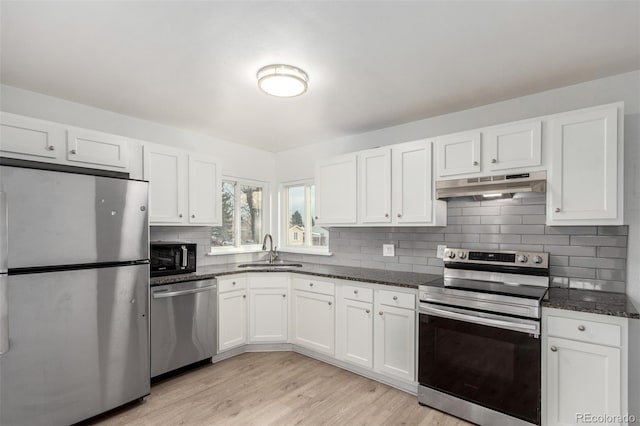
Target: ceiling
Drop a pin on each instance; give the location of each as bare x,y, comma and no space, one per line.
370,64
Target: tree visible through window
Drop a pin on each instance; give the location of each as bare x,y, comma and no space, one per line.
300,226
242,207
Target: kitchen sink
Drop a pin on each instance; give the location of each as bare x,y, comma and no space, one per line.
270,265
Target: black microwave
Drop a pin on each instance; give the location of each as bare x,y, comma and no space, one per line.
168,258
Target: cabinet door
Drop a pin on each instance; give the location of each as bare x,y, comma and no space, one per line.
232,319
581,378
205,191
412,183
268,314
164,168
458,154
313,321
394,340
85,146
514,146
374,186
336,190
583,179
356,332
30,137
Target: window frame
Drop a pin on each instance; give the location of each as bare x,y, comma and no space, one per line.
283,223
237,221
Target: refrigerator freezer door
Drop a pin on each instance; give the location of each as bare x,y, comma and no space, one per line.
79,344
60,218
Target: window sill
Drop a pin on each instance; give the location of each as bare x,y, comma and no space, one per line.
315,252
233,250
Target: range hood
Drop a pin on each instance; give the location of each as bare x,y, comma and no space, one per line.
492,187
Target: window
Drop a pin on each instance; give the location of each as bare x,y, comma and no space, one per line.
242,208
300,228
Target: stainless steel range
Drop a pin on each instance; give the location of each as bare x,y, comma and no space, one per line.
479,345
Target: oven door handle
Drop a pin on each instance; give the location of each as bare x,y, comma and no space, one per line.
516,326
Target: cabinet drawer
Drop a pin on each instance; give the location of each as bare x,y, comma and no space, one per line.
400,300
232,283
357,293
316,286
585,331
270,280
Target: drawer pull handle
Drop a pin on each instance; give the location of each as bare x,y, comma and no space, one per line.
554,349
582,327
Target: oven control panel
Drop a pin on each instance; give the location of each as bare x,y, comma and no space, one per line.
505,258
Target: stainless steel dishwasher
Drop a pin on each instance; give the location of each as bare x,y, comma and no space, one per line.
183,324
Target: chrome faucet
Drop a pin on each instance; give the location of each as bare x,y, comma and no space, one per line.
273,254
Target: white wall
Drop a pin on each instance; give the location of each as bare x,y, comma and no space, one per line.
298,163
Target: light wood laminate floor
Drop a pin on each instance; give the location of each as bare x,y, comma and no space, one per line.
275,388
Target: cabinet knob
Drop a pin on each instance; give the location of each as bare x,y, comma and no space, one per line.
193,216
475,163
355,291
380,313
316,217
310,284
284,295
557,209
386,215
233,283
494,161
180,215
395,297
244,296
51,147
399,214
582,327
73,151
554,349
330,303
368,311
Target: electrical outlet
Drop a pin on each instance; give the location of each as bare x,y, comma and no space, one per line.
441,249
388,250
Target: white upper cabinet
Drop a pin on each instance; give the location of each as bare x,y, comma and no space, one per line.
86,146
184,189
413,194
205,190
24,137
513,146
585,181
458,154
165,169
374,186
336,190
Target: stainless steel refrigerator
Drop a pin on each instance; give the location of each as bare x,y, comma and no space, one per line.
74,295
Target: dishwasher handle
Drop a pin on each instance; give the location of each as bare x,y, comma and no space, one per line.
163,293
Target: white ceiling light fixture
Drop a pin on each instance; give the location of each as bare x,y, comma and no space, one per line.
284,81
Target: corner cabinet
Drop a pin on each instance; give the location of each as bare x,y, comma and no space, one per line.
268,308
232,312
336,190
584,364
184,189
313,315
585,176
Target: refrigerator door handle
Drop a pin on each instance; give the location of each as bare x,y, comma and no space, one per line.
4,265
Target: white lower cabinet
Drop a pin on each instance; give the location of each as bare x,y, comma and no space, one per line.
355,331
232,313
268,308
395,335
584,364
313,315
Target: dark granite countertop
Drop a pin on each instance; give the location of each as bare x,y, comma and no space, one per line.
376,276
590,301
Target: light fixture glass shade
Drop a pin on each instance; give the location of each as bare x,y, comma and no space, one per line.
281,80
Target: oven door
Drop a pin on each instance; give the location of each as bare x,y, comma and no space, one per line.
486,359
